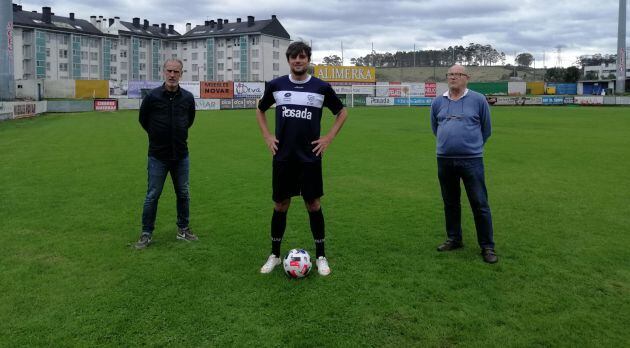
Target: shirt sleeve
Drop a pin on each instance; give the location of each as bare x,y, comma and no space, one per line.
267,99
331,100
486,127
191,111
143,115
434,121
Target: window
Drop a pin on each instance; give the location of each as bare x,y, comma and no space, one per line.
143,55
276,43
194,55
237,65
112,57
220,43
47,52
123,65
63,66
276,55
194,44
220,54
84,55
123,53
143,66
94,69
195,77
220,77
123,77
220,66
84,68
93,55
63,39
114,44
143,43
256,65
255,40
255,77
94,43
276,66
204,55
47,66
143,77
112,70
236,41
174,45
237,77
195,67
255,53
48,36
124,41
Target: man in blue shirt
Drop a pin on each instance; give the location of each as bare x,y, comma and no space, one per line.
460,119
297,147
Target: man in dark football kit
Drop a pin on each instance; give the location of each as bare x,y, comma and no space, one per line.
166,114
297,147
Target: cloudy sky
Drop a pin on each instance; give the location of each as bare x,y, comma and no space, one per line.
535,26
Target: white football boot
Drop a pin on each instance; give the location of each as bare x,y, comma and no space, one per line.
322,266
271,263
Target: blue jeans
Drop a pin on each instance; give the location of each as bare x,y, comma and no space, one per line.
471,172
157,171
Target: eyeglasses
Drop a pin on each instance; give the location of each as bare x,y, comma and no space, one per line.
457,74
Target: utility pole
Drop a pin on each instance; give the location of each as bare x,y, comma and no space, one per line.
341,53
620,86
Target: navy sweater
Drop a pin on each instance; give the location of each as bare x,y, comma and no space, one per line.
461,126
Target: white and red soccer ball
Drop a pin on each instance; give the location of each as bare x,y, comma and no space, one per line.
297,263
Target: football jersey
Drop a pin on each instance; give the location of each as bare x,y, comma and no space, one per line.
298,114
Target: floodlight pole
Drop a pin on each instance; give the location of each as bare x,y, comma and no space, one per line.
7,77
620,86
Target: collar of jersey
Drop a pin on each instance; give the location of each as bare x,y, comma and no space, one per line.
308,78
448,94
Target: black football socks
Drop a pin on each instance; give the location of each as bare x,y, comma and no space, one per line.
317,227
278,225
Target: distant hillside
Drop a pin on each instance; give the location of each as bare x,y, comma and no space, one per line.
478,74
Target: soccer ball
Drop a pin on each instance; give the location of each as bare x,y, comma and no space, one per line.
297,263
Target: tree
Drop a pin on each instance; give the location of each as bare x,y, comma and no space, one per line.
332,60
572,74
554,75
524,59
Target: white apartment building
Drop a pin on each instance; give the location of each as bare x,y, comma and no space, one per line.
47,46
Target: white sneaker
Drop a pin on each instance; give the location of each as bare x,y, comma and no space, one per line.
271,263
322,266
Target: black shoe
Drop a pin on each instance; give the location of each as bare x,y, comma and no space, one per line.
489,256
144,241
450,245
186,234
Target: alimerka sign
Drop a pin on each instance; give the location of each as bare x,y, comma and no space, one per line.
217,90
345,73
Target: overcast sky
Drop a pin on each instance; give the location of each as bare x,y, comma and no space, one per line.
535,26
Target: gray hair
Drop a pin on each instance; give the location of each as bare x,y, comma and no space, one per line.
181,65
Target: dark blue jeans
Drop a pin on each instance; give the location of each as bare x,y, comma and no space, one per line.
471,172
157,171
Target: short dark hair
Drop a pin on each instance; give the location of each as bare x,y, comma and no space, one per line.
298,47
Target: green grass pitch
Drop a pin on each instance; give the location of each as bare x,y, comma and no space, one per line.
558,178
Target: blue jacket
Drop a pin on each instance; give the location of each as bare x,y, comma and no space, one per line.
461,126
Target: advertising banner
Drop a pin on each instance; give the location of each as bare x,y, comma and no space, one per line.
251,103
414,101
429,89
522,101
105,104
138,89
346,73
24,110
553,100
207,104
217,90
416,89
226,104
192,87
589,100
379,101
249,89
238,103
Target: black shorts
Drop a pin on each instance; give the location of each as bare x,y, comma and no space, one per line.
294,178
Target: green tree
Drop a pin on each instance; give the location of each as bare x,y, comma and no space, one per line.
524,59
572,74
332,60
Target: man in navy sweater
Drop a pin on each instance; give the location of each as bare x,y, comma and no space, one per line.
460,119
